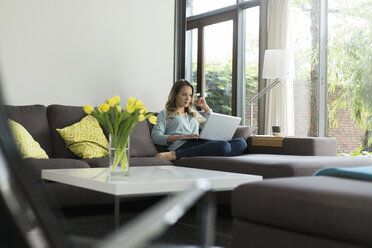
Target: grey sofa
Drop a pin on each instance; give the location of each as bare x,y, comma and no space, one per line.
297,156
303,212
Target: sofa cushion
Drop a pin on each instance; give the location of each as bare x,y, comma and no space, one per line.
148,161
141,144
97,162
249,234
85,138
60,116
134,161
27,146
54,163
34,119
272,165
322,206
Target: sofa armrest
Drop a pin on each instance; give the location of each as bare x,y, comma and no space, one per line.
244,132
305,146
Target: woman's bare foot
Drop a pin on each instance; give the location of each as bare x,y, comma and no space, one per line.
167,155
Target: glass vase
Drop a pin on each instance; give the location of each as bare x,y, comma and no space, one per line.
119,157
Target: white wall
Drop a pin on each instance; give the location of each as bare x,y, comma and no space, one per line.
77,52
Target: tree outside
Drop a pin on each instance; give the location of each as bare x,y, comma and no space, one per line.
218,77
349,67
350,62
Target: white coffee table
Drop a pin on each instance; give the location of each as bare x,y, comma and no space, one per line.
145,180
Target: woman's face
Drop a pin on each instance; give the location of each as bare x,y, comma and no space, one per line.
184,96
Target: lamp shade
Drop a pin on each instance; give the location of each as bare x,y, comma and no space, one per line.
278,63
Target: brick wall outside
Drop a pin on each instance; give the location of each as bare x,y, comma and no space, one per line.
348,134
302,107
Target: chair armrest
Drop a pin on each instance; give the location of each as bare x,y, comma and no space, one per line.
244,132
305,146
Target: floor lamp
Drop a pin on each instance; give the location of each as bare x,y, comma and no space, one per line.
278,64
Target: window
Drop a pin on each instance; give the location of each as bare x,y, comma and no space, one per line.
349,59
211,55
196,7
191,56
349,73
251,60
333,56
305,44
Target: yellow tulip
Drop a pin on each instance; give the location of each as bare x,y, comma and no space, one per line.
153,119
88,109
130,108
118,108
143,110
141,117
132,100
138,104
114,100
105,107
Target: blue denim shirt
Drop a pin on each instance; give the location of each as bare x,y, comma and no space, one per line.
178,125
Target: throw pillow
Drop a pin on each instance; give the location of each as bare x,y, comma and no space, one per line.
85,138
244,132
26,144
141,144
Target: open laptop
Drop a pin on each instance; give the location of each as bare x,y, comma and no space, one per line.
219,127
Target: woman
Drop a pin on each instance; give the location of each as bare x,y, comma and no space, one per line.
179,122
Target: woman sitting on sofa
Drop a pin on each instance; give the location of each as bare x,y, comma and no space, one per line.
179,122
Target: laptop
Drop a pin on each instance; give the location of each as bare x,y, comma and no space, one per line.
219,127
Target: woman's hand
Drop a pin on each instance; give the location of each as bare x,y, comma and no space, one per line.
187,136
201,103
172,138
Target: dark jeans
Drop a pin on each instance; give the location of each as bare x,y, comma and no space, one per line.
193,148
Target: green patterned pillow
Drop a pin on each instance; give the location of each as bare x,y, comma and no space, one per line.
27,146
85,138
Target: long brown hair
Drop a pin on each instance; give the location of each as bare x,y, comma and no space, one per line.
171,106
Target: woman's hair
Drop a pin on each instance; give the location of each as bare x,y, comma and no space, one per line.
171,106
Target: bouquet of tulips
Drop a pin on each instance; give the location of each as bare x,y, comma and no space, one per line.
120,123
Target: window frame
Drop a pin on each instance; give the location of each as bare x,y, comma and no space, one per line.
233,13
200,25
238,70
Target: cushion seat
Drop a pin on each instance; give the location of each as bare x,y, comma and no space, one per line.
272,165
134,161
148,161
330,207
55,163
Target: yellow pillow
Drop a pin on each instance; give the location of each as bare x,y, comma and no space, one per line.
27,146
85,138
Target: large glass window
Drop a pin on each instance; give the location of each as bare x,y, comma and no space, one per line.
304,30
349,70
191,56
348,58
350,73
196,7
218,43
251,59
212,56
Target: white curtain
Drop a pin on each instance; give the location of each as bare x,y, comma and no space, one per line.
279,100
